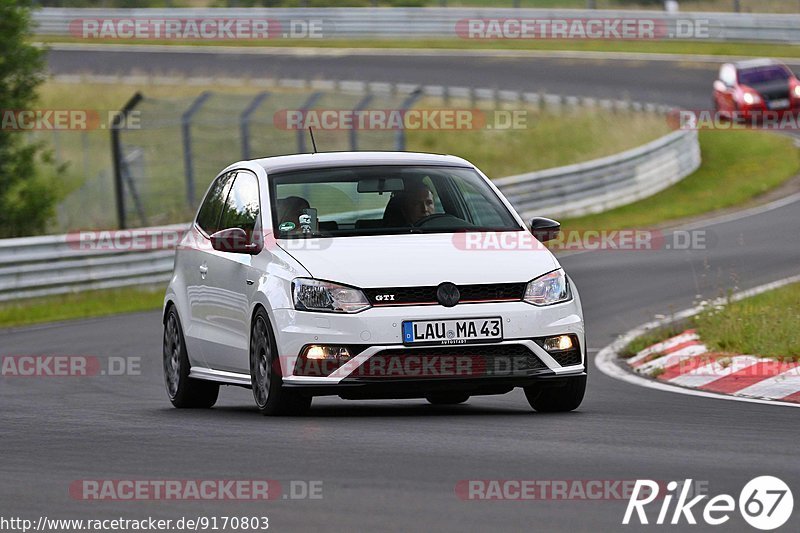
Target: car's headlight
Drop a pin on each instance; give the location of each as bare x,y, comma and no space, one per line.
751,98
315,295
549,289
797,91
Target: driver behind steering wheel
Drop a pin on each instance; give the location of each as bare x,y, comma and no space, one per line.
412,204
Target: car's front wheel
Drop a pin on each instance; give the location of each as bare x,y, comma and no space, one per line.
271,397
183,391
557,399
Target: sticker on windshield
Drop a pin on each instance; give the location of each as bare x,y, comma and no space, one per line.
286,226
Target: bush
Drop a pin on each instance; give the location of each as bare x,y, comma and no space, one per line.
26,201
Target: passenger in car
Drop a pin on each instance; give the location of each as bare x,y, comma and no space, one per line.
409,206
290,208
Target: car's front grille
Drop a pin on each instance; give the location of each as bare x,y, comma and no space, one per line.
775,93
450,362
490,292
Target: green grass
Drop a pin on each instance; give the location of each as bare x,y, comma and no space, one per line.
550,139
764,325
650,338
80,305
737,166
588,45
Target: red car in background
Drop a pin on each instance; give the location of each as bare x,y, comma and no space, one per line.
754,87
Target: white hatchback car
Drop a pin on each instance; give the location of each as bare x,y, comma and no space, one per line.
368,275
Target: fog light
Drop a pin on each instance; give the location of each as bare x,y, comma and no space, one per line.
557,344
319,353
321,361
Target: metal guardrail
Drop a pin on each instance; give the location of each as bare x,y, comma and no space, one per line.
58,264
605,183
49,265
436,22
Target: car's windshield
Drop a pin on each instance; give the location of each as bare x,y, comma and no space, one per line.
379,200
765,74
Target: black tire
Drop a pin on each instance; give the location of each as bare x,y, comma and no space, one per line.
557,399
447,398
183,391
271,397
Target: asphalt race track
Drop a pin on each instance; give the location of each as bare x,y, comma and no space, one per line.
394,465
681,84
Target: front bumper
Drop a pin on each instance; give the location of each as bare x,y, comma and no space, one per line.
761,113
378,332
419,388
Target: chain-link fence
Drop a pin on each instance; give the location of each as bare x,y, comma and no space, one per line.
166,150
171,149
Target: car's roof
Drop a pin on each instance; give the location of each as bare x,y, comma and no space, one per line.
331,159
753,63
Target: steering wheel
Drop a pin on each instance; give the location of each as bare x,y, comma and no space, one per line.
424,220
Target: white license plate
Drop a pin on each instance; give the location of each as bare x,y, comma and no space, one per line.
779,104
453,331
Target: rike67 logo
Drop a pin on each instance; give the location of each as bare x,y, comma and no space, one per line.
765,503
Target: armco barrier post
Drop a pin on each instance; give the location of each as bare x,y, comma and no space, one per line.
116,155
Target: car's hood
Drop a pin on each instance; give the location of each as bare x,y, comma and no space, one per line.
423,260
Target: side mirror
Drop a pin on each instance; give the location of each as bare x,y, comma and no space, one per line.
235,240
545,229
719,86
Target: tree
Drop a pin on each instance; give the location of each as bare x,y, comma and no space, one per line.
27,201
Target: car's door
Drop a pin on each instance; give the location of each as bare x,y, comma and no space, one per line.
232,279
198,331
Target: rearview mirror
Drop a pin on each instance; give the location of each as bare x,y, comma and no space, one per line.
235,240
381,185
719,86
545,229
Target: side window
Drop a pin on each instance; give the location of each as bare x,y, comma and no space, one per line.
242,206
208,216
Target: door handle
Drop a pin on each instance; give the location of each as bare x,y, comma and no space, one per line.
203,271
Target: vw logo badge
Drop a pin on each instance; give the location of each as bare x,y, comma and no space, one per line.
448,294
